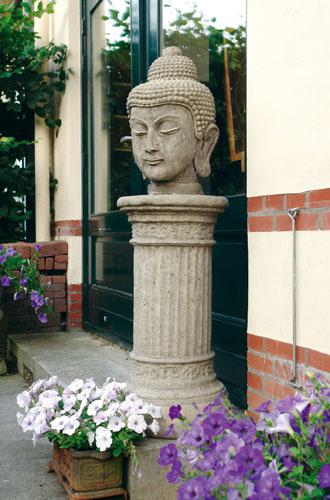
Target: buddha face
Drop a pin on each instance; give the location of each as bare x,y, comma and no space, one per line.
164,141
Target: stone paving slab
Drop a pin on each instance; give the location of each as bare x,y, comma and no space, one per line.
69,355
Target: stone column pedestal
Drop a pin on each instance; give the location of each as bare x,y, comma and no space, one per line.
172,361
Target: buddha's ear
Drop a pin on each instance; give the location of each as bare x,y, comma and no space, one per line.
204,150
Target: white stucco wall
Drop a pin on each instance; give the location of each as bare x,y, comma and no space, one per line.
66,28
270,296
68,145
288,96
288,128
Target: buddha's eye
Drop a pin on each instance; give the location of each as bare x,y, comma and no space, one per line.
169,131
139,132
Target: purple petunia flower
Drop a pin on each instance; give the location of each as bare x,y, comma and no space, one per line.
37,299
244,428
23,281
10,252
249,458
6,280
228,447
324,476
269,484
208,461
42,317
175,473
175,412
3,258
167,455
193,489
37,247
215,424
196,436
264,407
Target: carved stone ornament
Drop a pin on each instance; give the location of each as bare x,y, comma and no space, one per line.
172,119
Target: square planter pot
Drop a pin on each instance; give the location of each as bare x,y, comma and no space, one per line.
88,474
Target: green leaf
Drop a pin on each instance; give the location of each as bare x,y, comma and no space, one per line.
50,122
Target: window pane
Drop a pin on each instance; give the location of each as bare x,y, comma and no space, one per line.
110,84
213,35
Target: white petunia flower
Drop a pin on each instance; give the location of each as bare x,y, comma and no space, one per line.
111,410
137,423
154,411
58,423
28,422
154,426
282,424
49,399
127,407
37,385
51,381
132,397
76,385
85,393
71,426
89,384
69,402
24,399
100,417
103,438
140,407
94,407
40,424
116,423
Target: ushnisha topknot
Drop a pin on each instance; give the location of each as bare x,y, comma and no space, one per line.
172,79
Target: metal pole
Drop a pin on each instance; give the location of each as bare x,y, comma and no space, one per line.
292,213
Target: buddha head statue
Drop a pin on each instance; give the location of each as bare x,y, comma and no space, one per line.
172,119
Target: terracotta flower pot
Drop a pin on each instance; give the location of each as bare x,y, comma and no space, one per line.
86,472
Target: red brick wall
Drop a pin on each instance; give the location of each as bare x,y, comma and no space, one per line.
270,368
269,213
74,296
270,361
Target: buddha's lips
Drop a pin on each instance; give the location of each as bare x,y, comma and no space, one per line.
153,161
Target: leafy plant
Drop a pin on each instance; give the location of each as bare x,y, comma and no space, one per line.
23,277
223,454
30,79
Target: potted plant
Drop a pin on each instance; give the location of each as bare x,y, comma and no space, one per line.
22,276
224,454
92,428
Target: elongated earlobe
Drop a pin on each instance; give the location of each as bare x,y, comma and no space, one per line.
205,148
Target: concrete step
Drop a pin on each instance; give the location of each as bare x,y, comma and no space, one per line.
80,354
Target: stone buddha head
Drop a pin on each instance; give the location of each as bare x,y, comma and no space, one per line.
172,119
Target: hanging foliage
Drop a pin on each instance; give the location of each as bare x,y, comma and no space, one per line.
30,78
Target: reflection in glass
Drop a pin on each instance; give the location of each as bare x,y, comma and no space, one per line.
213,35
110,85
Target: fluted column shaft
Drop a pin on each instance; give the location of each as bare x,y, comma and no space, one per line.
173,239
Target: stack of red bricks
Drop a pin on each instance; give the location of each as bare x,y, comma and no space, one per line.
53,262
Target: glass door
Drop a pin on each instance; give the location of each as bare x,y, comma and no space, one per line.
213,35
110,167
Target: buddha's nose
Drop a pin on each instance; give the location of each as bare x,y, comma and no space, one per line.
151,144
